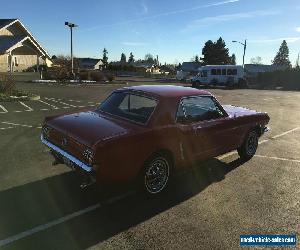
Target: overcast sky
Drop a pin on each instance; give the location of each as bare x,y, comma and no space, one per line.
175,30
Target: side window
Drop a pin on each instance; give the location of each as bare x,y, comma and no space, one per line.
234,71
224,72
213,72
204,73
198,108
219,71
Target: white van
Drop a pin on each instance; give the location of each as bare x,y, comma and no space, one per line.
219,75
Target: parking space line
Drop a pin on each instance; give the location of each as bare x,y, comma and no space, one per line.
284,133
61,102
6,128
221,157
4,109
277,158
61,220
17,124
48,104
26,106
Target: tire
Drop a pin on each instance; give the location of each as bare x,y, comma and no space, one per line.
248,149
155,176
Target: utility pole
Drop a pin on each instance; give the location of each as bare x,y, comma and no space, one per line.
71,26
245,47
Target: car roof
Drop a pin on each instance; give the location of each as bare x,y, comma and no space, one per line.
167,90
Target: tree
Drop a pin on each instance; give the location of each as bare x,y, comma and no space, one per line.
256,60
149,58
196,58
216,53
131,58
297,62
233,59
282,56
105,58
123,58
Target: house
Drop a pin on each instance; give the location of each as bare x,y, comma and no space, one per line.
19,50
255,69
90,63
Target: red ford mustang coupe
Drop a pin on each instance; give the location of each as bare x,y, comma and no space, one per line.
146,133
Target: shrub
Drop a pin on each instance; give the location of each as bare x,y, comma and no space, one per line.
7,84
96,76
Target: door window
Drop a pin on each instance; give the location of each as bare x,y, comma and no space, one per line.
199,108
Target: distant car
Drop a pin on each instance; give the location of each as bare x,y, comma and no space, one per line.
146,133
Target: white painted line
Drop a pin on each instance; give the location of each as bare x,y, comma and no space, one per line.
287,132
4,109
74,101
26,106
48,104
39,127
61,102
47,225
6,128
56,222
17,124
221,157
226,155
18,111
263,141
44,109
277,158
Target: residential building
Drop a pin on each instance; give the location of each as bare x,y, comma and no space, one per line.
19,50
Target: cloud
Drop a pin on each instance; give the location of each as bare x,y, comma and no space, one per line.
212,20
134,44
297,29
144,8
273,40
174,12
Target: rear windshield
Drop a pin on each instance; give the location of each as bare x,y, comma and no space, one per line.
133,107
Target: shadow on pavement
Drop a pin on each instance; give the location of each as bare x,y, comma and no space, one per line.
33,204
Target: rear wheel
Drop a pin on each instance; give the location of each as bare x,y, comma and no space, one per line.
156,174
249,146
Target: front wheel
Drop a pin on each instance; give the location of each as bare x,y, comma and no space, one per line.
156,174
248,149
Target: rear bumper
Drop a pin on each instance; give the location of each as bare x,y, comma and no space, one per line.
66,155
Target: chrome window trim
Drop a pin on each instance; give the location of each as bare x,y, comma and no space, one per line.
65,154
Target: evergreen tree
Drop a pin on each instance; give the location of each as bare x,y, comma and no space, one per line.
282,56
131,58
233,59
105,58
196,58
123,58
216,53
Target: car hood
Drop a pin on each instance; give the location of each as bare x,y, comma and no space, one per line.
238,111
88,127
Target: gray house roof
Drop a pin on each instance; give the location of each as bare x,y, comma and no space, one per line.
190,66
27,34
7,42
4,22
87,63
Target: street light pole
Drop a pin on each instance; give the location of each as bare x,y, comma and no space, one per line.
245,47
71,26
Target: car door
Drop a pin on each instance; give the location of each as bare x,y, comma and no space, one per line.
207,127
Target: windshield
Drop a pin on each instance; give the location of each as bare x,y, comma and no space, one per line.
136,108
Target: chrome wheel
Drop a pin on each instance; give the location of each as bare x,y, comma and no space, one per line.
251,143
157,175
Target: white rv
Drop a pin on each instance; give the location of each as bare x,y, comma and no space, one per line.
219,74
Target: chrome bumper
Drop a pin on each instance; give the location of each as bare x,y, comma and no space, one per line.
66,155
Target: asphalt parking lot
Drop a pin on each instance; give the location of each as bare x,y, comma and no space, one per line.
207,207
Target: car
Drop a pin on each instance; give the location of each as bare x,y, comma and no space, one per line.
147,133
